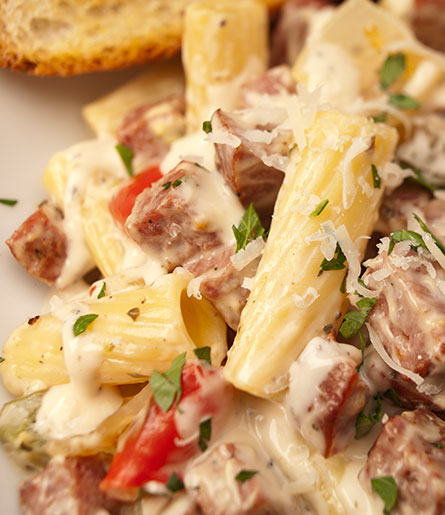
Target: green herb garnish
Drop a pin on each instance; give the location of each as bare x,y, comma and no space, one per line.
249,228
318,210
174,483
8,201
425,228
439,445
405,235
207,126
336,263
380,118
375,177
403,101
102,291
392,69
177,183
419,178
244,475
392,395
203,353
167,185
354,320
166,387
127,157
2,359
205,434
364,423
82,323
386,488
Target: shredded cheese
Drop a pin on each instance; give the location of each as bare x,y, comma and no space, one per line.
245,256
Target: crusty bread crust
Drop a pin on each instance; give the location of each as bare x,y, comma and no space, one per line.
67,37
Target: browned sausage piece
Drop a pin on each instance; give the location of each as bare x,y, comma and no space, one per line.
326,394
40,244
212,482
408,316
222,284
428,23
411,449
167,219
67,486
150,129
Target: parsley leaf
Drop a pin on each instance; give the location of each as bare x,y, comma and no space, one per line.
174,483
8,201
203,353
392,395
386,488
402,101
354,320
380,118
419,178
336,263
166,387
405,235
249,228
425,228
207,126
439,445
375,177
362,348
205,434
167,185
127,157
177,183
244,475
102,291
392,69
364,423
318,210
82,323
2,359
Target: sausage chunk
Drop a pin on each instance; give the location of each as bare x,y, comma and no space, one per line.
326,394
40,244
150,129
411,449
212,482
175,218
67,486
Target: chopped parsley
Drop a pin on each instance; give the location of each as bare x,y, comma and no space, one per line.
375,177
127,157
380,118
439,445
205,434
167,185
386,488
405,235
83,322
174,483
207,126
364,423
102,291
419,178
2,359
425,228
336,263
319,209
166,387
134,313
343,284
392,395
8,201
402,101
362,349
175,184
392,69
244,475
354,320
203,353
249,228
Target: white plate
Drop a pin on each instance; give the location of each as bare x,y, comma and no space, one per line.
38,116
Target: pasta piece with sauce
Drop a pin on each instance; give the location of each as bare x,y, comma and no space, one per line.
291,301
136,332
224,45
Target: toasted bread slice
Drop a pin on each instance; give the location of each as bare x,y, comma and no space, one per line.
66,37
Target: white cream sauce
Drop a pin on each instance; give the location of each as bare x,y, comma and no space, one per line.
192,147
79,406
82,161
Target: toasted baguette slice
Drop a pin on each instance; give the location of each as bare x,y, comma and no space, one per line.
66,37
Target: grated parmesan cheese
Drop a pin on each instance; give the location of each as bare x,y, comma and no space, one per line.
357,146
305,300
224,138
245,256
193,288
248,283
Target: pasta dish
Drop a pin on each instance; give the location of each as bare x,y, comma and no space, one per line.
247,273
